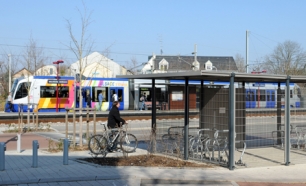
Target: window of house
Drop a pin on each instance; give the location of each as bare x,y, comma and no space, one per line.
163,65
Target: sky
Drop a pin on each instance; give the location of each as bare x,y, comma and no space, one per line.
136,29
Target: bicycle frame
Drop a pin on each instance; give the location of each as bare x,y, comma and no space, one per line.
119,132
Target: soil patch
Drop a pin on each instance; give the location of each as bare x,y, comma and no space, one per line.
146,161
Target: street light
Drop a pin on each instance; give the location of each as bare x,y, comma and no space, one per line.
57,78
10,69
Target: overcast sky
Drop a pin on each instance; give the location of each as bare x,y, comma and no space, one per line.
137,29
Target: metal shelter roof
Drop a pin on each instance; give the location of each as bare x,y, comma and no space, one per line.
219,76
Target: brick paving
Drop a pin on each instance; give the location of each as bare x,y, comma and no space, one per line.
26,141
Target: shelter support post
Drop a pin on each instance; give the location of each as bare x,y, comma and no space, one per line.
202,105
279,115
244,113
153,125
287,122
231,122
186,119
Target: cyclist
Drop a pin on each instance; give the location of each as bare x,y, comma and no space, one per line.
115,121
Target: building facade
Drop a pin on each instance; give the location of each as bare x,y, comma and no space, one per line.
97,65
164,64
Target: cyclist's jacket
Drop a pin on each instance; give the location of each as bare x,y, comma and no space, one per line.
114,119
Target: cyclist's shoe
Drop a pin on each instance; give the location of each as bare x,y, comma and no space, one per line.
115,150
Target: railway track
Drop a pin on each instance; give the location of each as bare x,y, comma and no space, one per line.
9,118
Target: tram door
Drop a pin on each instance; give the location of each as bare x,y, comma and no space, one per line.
85,92
250,101
270,98
120,95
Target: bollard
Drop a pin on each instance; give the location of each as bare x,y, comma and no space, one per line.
35,150
65,155
2,156
19,142
74,128
87,129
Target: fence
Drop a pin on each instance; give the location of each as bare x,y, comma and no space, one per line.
262,137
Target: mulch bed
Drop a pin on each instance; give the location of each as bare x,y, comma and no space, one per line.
146,161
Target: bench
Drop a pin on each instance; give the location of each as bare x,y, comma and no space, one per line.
149,105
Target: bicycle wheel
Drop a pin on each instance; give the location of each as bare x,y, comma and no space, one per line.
128,143
97,144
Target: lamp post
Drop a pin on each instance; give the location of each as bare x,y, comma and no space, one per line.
195,64
10,69
57,78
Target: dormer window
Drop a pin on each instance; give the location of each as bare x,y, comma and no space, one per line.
208,65
163,65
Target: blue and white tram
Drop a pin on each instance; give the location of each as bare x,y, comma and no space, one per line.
259,95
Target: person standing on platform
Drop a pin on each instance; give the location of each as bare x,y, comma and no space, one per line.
143,99
100,97
88,100
115,97
9,101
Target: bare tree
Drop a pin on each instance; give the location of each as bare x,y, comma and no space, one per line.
287,58
33,60
132,65
240,63
34,56
81,47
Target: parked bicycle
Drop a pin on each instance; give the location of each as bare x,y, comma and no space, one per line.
101,144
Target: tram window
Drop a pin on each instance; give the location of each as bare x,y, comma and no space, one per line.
22,90
273,96
291,96
63,92
283,93
96,91
50,91
252,96
120,94
268,96
299,93
247,97
262,96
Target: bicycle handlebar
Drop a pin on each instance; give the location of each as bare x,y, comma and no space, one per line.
106,128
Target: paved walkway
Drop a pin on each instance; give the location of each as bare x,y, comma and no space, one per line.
52,171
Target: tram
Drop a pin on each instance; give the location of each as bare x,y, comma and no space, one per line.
49,94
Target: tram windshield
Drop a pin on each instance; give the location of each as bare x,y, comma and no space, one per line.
15,83
22,90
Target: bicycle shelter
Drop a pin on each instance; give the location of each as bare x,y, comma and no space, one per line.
224,107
